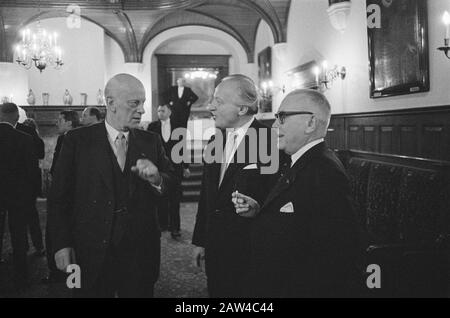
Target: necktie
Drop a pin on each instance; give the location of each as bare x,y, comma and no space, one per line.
121,147
230,147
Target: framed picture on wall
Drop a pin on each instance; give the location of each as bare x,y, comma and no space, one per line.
398,49
265,75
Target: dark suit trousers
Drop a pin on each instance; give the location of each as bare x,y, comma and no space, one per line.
18,231
2,228
34,227
169,209
120,275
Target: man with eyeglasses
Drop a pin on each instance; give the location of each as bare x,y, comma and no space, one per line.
304,241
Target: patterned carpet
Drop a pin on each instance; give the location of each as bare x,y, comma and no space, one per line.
179,277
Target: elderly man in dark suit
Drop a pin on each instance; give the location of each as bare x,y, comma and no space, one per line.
17,167
107,179
169,208
221,235
304,240
181,98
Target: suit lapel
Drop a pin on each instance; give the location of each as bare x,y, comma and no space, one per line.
284,183
233,167
102,157
133,154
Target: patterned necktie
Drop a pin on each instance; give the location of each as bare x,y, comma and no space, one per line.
229,150
121,147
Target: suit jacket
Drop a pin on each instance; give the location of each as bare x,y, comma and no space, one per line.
83,199
181,107
310,249
39,150
39,147
224,234
58,147
17,161
168,146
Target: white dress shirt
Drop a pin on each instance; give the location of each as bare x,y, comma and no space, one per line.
180,91
304,149
112,136
165,129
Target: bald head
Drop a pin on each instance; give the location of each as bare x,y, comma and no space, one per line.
304,116
312,101
125,97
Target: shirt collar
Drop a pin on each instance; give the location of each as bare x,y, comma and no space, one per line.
113,132
241,131
304,149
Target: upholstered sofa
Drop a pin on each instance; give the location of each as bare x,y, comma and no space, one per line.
403,208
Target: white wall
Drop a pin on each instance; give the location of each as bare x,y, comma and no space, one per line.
310,36
83,70
13,83
175,41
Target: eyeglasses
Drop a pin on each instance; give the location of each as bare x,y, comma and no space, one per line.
281,116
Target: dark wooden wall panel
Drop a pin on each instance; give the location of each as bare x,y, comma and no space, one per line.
422,132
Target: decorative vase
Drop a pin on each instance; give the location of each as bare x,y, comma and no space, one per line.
31,99
45,98
67,99
100,98
83,99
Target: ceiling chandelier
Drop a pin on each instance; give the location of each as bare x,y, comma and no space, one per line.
39,48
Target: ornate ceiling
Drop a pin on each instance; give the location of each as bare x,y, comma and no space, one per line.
134,23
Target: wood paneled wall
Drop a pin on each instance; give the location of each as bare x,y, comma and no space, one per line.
422,132
419,132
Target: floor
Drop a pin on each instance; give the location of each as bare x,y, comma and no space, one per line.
179,277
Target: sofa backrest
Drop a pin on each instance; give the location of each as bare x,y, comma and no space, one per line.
399,199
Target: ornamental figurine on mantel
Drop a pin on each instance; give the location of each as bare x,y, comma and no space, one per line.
100,100
31,99
67,99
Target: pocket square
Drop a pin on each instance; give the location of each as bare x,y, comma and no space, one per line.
251,167
288,208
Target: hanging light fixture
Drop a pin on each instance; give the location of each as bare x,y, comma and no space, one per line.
39,49
338,12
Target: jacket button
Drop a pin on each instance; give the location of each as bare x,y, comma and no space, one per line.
105,241
217,211
95,201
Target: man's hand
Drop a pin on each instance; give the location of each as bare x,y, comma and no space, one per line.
199,256
186,173
244,205
147,171
64,258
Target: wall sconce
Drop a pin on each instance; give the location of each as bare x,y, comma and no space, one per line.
325,76
268,89
6,99
338,13
446,47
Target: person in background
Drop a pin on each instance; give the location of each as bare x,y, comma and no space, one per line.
91,116
67,121
17,167
34,226
180,99
169,208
